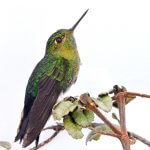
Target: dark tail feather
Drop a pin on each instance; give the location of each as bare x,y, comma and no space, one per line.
22,129
37,141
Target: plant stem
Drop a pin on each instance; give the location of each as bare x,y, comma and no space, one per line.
46,141
137,94
143,140
121,105
104,133
90,105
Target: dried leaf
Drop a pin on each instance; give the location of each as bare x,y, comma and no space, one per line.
83,118
128,100
72,128
89,115
63,108
104,102
96,136
114,116
5,144
92,136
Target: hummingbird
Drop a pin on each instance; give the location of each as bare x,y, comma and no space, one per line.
53,75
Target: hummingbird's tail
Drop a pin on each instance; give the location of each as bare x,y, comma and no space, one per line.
22,128
25,118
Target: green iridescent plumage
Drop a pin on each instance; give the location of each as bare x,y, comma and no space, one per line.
46,67
54,74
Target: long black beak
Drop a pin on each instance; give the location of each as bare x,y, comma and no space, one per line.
75,25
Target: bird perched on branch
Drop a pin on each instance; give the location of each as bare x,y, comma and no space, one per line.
54,74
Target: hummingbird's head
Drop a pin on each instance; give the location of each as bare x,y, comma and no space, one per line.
62,43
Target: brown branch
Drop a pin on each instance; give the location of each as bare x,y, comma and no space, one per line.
90,105
57,129
93,125
120,94
104,133
137,94
141,139
122,135
46,141
121,105
131,135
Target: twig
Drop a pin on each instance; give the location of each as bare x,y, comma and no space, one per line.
90,105
123,135
136,94
131,134
57,129
104,133
143,140
46,141
121,105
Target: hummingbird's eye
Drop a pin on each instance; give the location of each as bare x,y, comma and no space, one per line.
58,40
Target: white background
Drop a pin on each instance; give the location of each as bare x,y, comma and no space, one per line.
114,45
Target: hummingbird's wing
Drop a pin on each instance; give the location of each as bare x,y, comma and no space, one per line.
48,93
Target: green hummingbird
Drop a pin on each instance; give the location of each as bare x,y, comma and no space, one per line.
53,75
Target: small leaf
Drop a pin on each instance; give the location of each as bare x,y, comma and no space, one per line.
79,117
83,118
5,144
104,102
127,100
92,136
114,116
96,136
89,115
72,128
63,108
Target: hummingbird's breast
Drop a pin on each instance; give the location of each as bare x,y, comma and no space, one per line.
72,71
76,67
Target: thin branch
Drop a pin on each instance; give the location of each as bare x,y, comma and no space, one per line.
121,105
55,127
90,105
137,94
104,133
131,135
138,137
46,141
123,135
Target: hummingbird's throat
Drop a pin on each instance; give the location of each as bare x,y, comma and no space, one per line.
68,54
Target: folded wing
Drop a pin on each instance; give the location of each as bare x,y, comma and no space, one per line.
48,93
